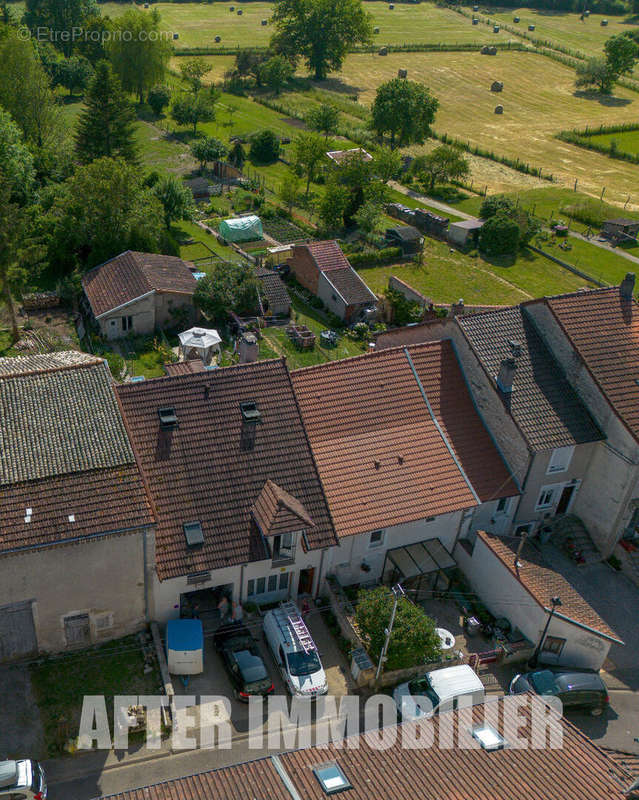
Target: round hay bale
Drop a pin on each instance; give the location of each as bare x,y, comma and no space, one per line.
218,39
499,109
146,5
586,13
496,86
495,28
176,35
515,19
604,22
375,30
383,51
391,6
475,7
264,22
231,9
531,27
402,73
239,12
475,21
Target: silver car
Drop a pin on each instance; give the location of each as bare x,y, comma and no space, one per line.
22,779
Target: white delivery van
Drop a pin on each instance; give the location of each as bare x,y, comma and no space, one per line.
22,779
438,690
294,651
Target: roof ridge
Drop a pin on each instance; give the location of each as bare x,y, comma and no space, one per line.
96,361
200,374
578,293
385,351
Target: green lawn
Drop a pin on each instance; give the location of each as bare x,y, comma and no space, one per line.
600,263
60,685
204,244
627,141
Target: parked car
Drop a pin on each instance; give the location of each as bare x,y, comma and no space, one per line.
22,779
577,689
441,689
294,651
243,661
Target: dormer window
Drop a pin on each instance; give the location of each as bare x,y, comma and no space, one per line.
283,547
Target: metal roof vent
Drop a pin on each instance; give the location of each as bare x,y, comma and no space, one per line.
250,412
193,533
168,418
488,737
515,347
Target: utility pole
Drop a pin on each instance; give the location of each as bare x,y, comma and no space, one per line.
397,593
555,601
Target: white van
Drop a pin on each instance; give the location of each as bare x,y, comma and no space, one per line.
440,689
294,651
22,780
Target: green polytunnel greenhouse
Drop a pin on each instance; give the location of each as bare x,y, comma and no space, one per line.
242,229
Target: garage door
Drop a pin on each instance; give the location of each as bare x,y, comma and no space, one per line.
17,631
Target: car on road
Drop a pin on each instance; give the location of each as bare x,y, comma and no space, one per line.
22,779
438,690
243,661
575,689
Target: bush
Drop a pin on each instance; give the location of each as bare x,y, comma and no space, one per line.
265,147
374,258
413,640
499,236
158,98
588,212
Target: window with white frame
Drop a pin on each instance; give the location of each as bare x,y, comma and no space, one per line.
376,539
560,459
546,497
274,583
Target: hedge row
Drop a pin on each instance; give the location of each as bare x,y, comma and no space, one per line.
375,258
611,149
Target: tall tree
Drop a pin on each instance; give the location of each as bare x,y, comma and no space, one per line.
621,54
405,110
158,98
176,199
73,73
276,72
16,162
320,31
105,127
444,164
387,164
103,209
309,151
10,233
323,119
60,16
191,109
141,57
596,72
193,71
208,149
227,286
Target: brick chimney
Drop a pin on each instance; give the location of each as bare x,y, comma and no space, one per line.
627,286
506,375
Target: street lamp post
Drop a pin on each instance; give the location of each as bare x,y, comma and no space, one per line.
397,592
555,602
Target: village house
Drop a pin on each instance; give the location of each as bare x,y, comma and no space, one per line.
76,532
140,292
241,515
516,582
499,750
323,269
404,460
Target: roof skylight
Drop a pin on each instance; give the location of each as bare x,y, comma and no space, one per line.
331,778
488,737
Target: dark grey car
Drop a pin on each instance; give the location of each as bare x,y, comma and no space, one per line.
574,689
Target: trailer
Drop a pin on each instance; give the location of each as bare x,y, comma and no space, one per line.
185,646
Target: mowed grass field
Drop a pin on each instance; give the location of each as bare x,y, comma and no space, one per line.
563,28
197,24
539,99
627,141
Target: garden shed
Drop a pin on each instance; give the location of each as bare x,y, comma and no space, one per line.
242,229
621,229
461,233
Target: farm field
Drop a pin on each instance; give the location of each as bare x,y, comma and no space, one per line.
627,142
197,24
539,99
564,28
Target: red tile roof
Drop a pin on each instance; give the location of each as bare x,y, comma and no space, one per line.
604,330
199,471
350,286
576,770
327,255
131,275
100,501
382,459
184,367
276,511
542,582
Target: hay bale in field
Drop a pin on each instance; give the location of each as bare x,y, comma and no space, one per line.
231,9
515,19
402,73
239,12
176,35
375,30
264,22
496,86
499,109
495,28
531,27
604,22
218,39
475,21
586,13
475,8
391,6
488,50
146,5
383,51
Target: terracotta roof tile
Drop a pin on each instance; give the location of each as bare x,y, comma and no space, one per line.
327,255
350,286
381,458
100,501
274,287
25,365
543,582
184,367
131,275
577,770
604,330
276,511
199,471
542,403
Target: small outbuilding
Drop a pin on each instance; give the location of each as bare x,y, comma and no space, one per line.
202,342
407,237
621,230
464,232
277,298
242,229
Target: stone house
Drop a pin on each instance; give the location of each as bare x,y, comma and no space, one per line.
323,269
139,293
76,527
